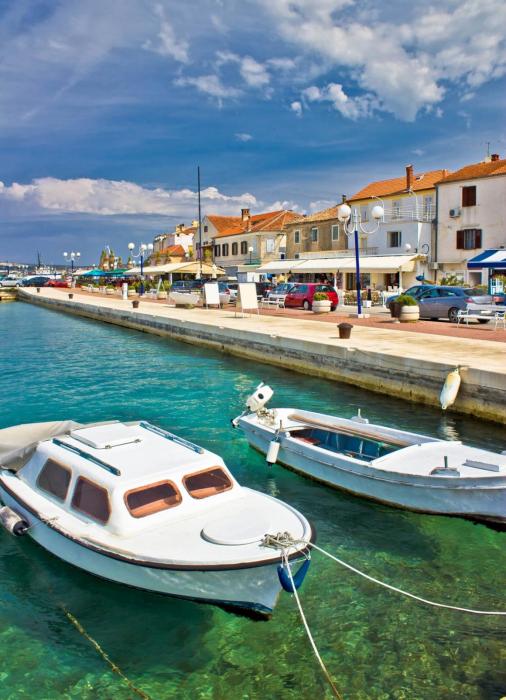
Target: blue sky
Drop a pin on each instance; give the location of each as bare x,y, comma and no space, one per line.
106,108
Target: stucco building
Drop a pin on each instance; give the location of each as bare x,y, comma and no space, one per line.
471,218
242,243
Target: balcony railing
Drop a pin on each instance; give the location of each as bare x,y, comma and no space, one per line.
410,213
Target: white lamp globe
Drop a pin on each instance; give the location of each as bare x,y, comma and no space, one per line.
343,213
131,246
65,254
377,212
78,255
150,246
407,247
250,249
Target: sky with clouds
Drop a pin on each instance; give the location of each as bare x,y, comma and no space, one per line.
107,108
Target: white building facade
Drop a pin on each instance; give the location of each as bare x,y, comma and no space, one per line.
471,218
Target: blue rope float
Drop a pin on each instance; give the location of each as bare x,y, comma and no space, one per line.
298,578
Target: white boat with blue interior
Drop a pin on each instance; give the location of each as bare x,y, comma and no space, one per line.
393,466
138,505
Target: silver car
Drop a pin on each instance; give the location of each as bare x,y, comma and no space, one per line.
439,301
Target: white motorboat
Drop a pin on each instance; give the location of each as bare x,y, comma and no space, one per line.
135,504
396,467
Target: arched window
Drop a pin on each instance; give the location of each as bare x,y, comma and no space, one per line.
235,248
224,249
244,247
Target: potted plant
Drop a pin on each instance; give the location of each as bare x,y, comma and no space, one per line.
321,303
409,309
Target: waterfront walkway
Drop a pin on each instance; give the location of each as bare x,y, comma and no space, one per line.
411,366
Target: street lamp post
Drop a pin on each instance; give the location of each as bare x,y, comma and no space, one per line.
71,256
143,247
348,216
250,251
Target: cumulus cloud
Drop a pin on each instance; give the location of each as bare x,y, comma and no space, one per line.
254,73
114,197
403,58
168,44
296,107
210,85
353,108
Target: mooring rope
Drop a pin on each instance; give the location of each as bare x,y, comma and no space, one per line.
401,591
283,540
308,631
114,667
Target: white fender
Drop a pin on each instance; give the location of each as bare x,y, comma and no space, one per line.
272,452
450,389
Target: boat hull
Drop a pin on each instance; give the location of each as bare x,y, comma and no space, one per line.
483,503
253,589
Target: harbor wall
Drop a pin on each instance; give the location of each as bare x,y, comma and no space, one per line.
482,391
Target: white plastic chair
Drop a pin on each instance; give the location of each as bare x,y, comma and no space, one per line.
500,317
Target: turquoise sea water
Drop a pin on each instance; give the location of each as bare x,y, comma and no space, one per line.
376,644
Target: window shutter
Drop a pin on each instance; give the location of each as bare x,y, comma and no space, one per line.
460,240
477,238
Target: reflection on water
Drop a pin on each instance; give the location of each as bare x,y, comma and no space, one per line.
376,644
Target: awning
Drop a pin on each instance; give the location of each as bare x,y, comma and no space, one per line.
190,268
368,263
276,266
493,258
103,273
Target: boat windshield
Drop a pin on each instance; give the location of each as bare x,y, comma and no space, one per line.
357,446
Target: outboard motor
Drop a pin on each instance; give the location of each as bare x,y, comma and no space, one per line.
13,522
262,394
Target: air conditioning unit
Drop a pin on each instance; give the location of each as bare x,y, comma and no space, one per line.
434,266
454,212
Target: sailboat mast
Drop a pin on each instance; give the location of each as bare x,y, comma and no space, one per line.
200,222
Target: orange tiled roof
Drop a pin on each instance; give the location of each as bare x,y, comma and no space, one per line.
476,170
397,185
324,215
234,225
173,250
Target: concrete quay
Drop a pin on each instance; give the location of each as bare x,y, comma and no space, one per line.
401,363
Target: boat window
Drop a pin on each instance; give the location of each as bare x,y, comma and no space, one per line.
55,479
207,483
152,499
91,499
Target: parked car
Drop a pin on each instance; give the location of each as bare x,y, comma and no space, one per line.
58,283
439,301
302,294
279,292
35,281
263,288
11,281
187,285
228,292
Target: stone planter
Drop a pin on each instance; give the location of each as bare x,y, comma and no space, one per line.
409,314
367,304
95,290
162,295
109,291
321,307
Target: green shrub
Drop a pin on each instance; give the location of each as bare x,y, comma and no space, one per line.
406,300
320,296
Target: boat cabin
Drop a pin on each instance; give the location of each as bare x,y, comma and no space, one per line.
127,477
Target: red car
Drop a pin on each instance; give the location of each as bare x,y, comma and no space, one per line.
302,294
57,283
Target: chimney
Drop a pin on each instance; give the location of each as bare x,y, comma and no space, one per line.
494,157
409,177
179,228
343,199
246,218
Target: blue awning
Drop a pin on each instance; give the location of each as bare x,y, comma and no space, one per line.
494,258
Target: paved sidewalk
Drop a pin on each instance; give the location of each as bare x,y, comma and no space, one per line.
454,347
